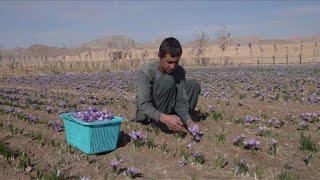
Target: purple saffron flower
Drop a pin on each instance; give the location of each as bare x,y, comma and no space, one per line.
251,144
9,110
274,141
84,178
238,139
62,104
206,93
132,172
32,118
49,109
196,154
55,126
212,109
251,119
248,119
182,163
114,164
195,131
261,130
303,125
137,135
275,122
92,115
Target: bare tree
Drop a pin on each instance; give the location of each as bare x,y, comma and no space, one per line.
200,43
261,52
223,39
287,55
301,48
275,49
0,53
250,47
313,52
237,49
1,63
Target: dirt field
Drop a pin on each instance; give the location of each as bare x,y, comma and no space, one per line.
244,99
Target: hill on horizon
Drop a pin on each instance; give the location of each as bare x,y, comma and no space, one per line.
122,42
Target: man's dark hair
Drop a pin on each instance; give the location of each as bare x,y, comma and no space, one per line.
170,45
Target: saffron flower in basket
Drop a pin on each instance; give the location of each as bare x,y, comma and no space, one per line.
93,115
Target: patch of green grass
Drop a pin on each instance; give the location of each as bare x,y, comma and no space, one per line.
49,175
23,162
10,129
220,162
284,175
2,111
151,145
241,168
185,155
164,148
147,129
54,143
264,116
199,159
180,135
238,120
193,176
220,137
174,153
156,130
7,152
21,116
216,116
306,144
41,140
258,173
242,96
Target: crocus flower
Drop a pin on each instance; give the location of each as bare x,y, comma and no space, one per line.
212,109
8,110
302,125
274,142
182,163
132,172
49,109
137,135
261,130
195,131
238,139
251,144
115,164
92,115
275,122
31,118
196,154
84,178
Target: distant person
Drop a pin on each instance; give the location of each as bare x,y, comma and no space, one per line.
163,93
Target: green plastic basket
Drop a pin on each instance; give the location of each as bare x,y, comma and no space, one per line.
93,137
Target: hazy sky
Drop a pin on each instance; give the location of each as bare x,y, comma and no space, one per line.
68,23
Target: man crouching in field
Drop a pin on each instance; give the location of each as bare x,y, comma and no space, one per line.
163,92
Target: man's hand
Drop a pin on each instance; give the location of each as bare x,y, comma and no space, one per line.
173,122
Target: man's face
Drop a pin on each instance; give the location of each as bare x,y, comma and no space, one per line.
168,64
